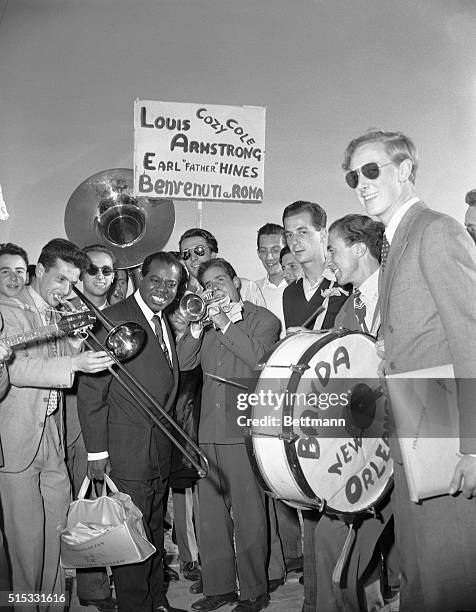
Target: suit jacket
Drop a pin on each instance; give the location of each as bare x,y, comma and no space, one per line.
32,374
232,355
428,303
112,421
347,318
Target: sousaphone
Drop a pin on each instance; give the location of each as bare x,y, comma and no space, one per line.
103,210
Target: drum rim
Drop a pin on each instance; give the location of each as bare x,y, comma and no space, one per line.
300,481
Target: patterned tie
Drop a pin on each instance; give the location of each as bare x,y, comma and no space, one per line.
160,337
360,311
53,399
384,253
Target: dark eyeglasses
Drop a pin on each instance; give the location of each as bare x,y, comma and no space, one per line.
199,250
93,270
370,171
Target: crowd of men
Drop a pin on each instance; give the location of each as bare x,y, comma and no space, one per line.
401,273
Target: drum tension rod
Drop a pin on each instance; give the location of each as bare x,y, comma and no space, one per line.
295,367
289,437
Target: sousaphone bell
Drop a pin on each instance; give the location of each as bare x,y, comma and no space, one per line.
103,210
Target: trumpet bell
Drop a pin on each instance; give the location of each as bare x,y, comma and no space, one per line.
192,307
126,340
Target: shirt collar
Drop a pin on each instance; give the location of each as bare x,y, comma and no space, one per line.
327,274
146,311
265,282
39,302
397,217
369,288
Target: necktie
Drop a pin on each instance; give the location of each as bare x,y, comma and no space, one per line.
160,337
50,318
360,311
384,253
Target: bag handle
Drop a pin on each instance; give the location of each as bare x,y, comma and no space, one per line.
107,482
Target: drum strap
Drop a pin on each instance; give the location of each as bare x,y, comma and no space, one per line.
341,562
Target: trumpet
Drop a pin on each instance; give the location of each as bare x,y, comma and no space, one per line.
123,341
196,308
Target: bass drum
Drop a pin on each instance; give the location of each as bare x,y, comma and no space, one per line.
318,432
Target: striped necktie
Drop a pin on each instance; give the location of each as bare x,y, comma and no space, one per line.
160,337
384,253
360,311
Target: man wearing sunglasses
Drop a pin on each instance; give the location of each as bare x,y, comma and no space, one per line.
427,290
198,246
92,584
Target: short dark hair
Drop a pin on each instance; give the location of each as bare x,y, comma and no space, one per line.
284,251
398,147
163,257
59,248
470,198
219,263
360,228
201,233
8,248
99,248
271,229
318,214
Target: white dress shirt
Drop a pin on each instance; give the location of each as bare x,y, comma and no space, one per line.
273,295
369,296
397,217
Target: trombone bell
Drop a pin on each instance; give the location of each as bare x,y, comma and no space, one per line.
125,340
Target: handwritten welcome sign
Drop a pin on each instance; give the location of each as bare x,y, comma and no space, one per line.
199,151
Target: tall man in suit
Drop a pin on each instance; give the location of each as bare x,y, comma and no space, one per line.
354,246
34,483
241,335
122,438
427,299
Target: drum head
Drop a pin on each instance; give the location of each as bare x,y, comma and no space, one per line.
326,440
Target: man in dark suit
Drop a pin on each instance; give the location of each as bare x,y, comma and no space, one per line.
120,436
232,506
427,304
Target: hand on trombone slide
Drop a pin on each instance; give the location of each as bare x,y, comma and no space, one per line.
91,362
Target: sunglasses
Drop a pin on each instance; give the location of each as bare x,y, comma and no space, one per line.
93,270
198,250
370,171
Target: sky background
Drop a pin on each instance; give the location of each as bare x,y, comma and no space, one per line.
325,71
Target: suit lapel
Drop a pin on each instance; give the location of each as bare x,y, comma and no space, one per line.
398,246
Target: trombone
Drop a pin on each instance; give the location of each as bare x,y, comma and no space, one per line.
123,341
